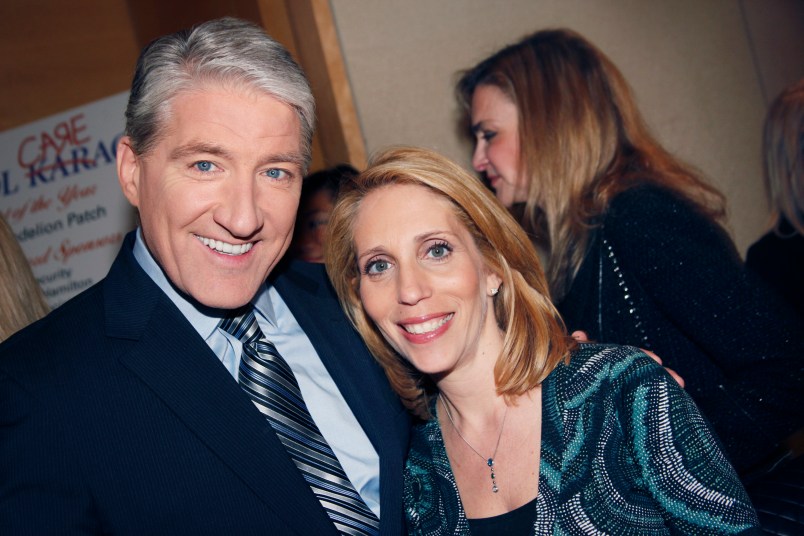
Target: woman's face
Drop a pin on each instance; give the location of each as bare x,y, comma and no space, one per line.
423,281
496,127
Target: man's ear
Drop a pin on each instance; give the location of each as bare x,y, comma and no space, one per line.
129,169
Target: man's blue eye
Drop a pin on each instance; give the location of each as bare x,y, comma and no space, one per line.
204,165
275,173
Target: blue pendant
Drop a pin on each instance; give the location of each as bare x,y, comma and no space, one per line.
490,463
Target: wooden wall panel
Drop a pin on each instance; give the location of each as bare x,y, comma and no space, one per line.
320,53
55,55
153,18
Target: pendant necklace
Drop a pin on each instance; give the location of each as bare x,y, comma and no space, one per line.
489,461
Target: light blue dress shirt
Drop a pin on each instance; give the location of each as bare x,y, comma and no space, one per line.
330,411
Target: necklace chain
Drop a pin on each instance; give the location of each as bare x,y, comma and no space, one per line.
489,461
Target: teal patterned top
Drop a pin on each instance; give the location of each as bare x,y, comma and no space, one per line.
624,451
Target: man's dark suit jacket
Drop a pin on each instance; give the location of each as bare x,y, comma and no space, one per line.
116,417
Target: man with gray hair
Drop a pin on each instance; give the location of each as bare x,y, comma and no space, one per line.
203,387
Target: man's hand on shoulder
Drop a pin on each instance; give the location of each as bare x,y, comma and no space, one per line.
581,336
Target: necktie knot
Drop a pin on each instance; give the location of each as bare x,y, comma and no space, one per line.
243,326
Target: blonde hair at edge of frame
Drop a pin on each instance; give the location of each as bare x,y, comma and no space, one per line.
783,153
535,339
21,298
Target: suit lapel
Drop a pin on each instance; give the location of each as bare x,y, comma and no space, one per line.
359,378
174,362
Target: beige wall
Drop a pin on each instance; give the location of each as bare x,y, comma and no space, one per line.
700,70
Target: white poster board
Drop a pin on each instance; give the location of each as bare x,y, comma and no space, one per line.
60,195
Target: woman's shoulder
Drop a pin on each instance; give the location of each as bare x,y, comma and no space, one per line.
647,199
665,222
592,357
594,365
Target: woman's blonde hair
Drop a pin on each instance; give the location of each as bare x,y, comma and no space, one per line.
783,153
535,339
21,298
582,140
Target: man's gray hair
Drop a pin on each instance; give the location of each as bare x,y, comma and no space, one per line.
227,50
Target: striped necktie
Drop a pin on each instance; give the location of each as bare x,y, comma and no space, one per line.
268,380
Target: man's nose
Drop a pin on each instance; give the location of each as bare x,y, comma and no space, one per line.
239,210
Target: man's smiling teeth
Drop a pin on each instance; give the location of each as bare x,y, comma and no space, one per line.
426,327
225,247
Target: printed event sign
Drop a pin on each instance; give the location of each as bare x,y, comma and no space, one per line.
60,195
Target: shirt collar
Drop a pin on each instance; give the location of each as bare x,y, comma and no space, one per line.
204,319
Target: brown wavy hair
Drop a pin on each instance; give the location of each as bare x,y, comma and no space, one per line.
535,339
583,141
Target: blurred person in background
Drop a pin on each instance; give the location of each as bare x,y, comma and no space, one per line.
636,249
778,257
21,298
319,192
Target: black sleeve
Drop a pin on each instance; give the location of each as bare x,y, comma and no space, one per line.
694,275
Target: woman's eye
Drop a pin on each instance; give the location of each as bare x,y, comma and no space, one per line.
439,251
376,267
204,166
488,135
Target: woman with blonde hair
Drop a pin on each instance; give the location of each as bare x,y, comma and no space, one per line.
636,250
778,257
523,430
21,298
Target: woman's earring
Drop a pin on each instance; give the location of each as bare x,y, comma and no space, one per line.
494,291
